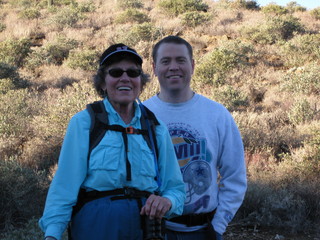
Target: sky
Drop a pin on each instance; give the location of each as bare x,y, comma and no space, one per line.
309,4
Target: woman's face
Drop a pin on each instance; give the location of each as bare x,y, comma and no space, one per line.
122,89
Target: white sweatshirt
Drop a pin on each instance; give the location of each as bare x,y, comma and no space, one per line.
210,153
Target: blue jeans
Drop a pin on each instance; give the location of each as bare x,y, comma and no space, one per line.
201,234
107,219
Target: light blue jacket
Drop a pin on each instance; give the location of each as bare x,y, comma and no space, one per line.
107,169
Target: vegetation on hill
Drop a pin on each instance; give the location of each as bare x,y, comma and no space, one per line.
262,63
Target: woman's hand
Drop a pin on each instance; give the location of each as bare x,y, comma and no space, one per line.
156,206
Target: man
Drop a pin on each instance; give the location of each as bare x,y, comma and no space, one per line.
207,142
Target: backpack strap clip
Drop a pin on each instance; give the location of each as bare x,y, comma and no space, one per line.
130,130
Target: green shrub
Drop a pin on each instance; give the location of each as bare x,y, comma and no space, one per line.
123,4
2,27
83,59
67,17
275,29
132,15
30,13
275,9
20,186
30,230
193,19
86,7
304,80
295,7
10,79
14,52
10,72
57,113
315,13
24,3
230,97
301,49
215,65
54,52
140,32
301,112
264,131
6,85
245,4
268,206
14,113
177,7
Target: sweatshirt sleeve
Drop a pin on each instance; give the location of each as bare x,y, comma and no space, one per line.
71,172
231,166
172,185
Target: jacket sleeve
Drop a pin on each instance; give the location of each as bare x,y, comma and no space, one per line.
231,166
71,172
172,185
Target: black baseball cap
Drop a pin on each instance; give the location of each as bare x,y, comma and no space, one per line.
115,51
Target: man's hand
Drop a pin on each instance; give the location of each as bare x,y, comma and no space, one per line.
156,206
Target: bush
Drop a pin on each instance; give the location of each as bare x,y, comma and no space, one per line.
215,65
193,19
230,97
315,13
301,112
275,29
52,53
275,9
123,4
246,4
132,15
67,17
30,13
301,49
2,27
14,52
26,3
177,7
30,230
20,186
280,207
10,79
84,59
294,7
16,115
55,116
140,32
267,132
304,80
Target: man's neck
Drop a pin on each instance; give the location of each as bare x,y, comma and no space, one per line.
175,96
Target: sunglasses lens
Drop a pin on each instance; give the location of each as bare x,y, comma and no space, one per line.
133,72
117,72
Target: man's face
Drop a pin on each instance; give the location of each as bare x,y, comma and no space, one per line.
173,67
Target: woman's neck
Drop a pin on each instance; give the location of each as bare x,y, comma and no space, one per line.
126,111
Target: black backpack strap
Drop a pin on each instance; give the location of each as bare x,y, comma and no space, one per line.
99,119
153,121
149,121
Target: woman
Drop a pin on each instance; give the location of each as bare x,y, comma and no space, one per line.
120,171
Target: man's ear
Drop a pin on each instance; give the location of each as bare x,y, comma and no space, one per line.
193,65
154,68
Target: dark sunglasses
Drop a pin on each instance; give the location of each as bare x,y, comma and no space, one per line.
117,72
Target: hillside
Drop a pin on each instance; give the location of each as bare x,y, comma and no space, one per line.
263,64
